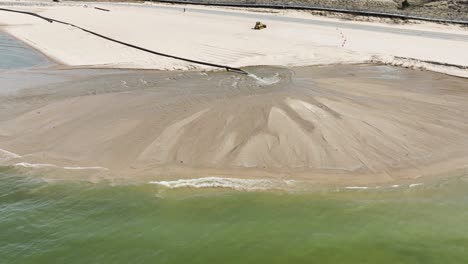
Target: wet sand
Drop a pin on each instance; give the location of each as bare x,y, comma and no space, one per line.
358,124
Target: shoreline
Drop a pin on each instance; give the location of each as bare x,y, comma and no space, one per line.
50,61
242,179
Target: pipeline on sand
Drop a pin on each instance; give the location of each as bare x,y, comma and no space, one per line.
51,20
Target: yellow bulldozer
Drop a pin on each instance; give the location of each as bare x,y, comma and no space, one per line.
259,25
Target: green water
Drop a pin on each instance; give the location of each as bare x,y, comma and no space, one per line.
75,222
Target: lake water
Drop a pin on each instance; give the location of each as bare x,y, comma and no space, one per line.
71,221
16,55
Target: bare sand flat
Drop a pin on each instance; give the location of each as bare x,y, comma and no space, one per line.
359,124
225,36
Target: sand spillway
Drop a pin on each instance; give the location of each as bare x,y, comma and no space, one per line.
353,124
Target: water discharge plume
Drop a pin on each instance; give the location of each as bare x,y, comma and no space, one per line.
266,80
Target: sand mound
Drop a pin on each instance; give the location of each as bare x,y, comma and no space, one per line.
368,123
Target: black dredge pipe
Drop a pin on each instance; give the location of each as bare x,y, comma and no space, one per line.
27,13
314,8
51,20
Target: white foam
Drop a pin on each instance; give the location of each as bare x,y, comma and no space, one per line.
415,184
395,186
85,168
290,182
46,165
356,187
7,155
35,165
266,80
218,182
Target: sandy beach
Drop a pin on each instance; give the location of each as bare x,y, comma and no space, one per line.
341,123
225,36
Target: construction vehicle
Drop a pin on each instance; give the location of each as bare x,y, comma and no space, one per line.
259,25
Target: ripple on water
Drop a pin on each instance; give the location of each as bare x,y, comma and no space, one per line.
16,55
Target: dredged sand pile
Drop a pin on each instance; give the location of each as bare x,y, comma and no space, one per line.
335,124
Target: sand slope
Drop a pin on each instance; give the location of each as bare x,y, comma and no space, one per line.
318,124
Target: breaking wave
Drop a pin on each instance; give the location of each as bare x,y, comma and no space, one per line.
85,168
46,165
218,182
253,184
34,165
7,155
356,187
412,185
